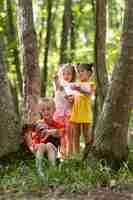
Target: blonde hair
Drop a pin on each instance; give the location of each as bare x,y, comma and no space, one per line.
46,101
68,66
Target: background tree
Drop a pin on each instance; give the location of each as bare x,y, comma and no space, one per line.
72,34
65,31
13,52
46,47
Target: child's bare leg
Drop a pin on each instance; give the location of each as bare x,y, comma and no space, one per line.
69,142
39,158
52,153
63,139
87,133
63,146
76,137
65,142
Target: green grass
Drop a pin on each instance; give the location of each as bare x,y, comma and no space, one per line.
72,173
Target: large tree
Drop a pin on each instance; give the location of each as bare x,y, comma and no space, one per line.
9,122
111,131
31,83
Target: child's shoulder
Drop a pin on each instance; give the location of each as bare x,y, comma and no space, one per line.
93,86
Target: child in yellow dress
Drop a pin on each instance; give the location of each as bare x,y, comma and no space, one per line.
81,114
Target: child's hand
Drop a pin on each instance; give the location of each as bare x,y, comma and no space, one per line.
52,132
61,88
56,77
70,98
76,87
46,135
43,133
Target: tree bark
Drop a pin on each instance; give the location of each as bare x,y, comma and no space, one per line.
65,31
100,43
72,36
47,44
12,36
31,82
112,128
9,122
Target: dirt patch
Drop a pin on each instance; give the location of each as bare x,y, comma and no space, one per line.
124,192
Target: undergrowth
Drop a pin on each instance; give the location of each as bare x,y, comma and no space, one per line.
20,172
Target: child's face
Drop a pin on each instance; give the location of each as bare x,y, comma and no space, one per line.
84,74
67,75
48,112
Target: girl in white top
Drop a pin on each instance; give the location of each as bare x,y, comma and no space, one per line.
65,75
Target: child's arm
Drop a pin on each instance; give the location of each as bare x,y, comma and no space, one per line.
51,132
56,82
86,89
68,89
83,88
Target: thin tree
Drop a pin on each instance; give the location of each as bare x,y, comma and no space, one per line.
100,43
47,44
72,34
12,39
65,31
99,14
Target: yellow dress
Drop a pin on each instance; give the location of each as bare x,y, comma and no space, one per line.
81,109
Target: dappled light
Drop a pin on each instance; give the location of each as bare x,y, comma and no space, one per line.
66,100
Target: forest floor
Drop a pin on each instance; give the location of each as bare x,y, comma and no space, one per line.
124,192
71,180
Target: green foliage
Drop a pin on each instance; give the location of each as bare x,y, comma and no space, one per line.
2,19
72,174
84,29
131,119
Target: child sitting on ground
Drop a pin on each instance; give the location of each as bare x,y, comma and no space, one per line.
45,135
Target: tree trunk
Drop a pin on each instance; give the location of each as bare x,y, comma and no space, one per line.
9,123
73,36
100,41
112,127
14,94
12,36
47,43
16,84
31,83
65,31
